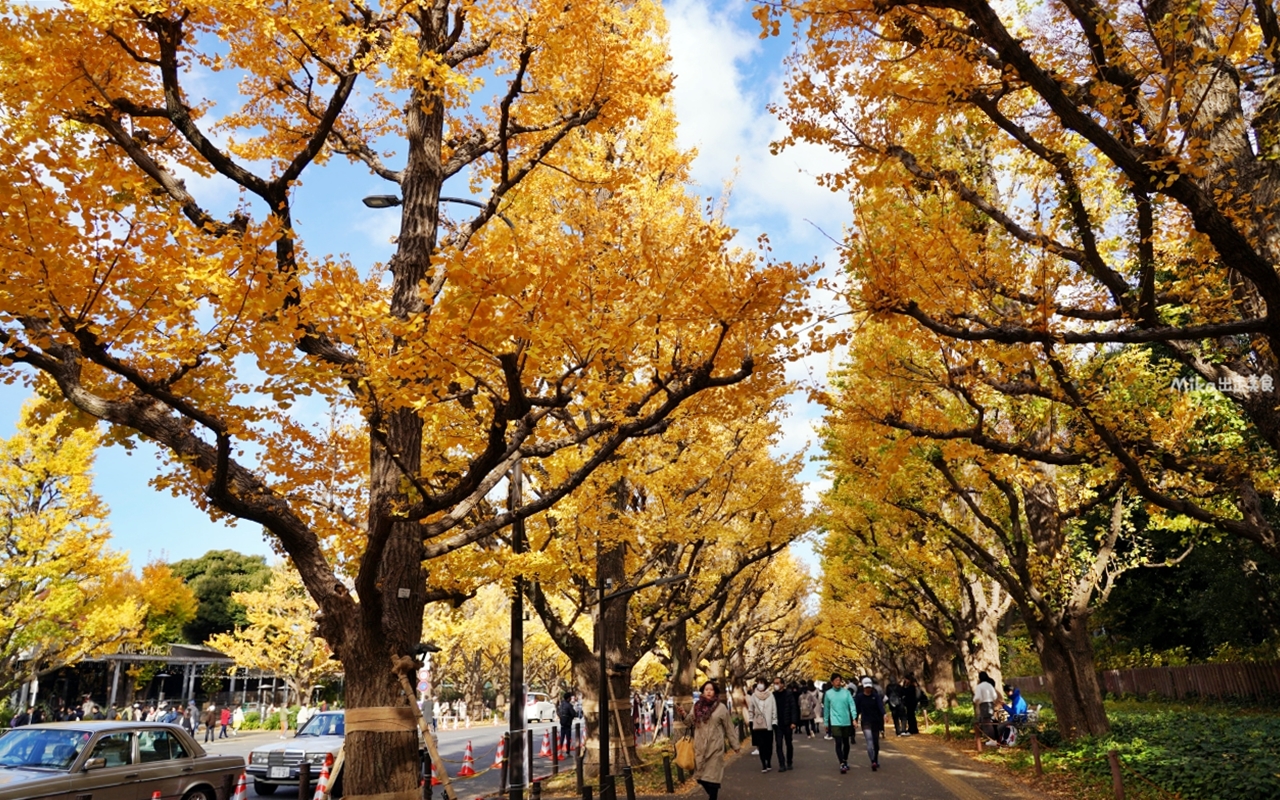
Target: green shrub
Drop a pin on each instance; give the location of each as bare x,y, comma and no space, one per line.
252,721
1197,754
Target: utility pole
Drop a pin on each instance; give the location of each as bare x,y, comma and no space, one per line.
515,719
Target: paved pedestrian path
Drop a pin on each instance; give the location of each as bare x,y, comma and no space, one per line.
911,768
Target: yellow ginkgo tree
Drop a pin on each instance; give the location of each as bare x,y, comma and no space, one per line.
1045,183
56,568
281,635
583,298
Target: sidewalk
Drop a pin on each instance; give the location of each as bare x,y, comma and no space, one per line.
911,768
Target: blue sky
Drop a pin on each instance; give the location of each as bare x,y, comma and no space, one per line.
725,78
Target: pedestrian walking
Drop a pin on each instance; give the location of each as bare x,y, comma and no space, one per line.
893,695
837,715
712,732
810,701
870,707
787,702
224,719
763,712
237,720
566,714
911,696
210,720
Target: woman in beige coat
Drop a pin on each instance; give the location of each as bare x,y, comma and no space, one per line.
712,730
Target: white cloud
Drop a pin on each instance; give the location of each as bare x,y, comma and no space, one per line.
725,80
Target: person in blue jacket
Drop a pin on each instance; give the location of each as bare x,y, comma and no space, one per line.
838,715
1016,709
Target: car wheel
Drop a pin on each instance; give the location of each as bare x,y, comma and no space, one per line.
264,788
200,793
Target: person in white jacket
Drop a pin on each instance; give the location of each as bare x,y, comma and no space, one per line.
763,713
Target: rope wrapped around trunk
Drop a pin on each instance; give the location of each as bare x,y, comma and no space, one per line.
385,719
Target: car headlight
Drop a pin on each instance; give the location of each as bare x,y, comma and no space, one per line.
317,759
257,758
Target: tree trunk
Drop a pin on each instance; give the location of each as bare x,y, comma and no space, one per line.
981,649
940,674
1066,655
681,676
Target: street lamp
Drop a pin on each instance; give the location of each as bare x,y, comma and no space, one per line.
382,201
608,791
392,200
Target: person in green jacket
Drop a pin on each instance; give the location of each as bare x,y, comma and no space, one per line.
838,715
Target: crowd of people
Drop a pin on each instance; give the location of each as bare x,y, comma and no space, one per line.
217,722
777,711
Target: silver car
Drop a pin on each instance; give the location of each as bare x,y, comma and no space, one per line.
275,765
111,761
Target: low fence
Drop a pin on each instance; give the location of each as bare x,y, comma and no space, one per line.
1198,680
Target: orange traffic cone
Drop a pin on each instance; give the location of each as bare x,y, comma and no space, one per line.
156,795
546,744
242,789
468,763
501,754
435,774
322,784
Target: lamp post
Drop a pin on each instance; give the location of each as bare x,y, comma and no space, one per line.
516,718
608,791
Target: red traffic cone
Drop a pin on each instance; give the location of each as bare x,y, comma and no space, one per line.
322,784
242,789
468,763
501,754
435,774
546,744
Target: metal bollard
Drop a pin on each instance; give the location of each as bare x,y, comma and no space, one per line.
1117,780
586,793
304,780
629,782
946,715
535,790
555,752
578,768
977,738
528,755
1035,754
680,773
666,773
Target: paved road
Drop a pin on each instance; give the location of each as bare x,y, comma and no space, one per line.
452,743
911,768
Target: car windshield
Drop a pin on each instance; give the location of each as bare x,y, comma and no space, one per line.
324,725
42,748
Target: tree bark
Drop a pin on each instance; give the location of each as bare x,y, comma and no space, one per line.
681,676
1066,655
940,674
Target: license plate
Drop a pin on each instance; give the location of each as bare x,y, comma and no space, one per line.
278,772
